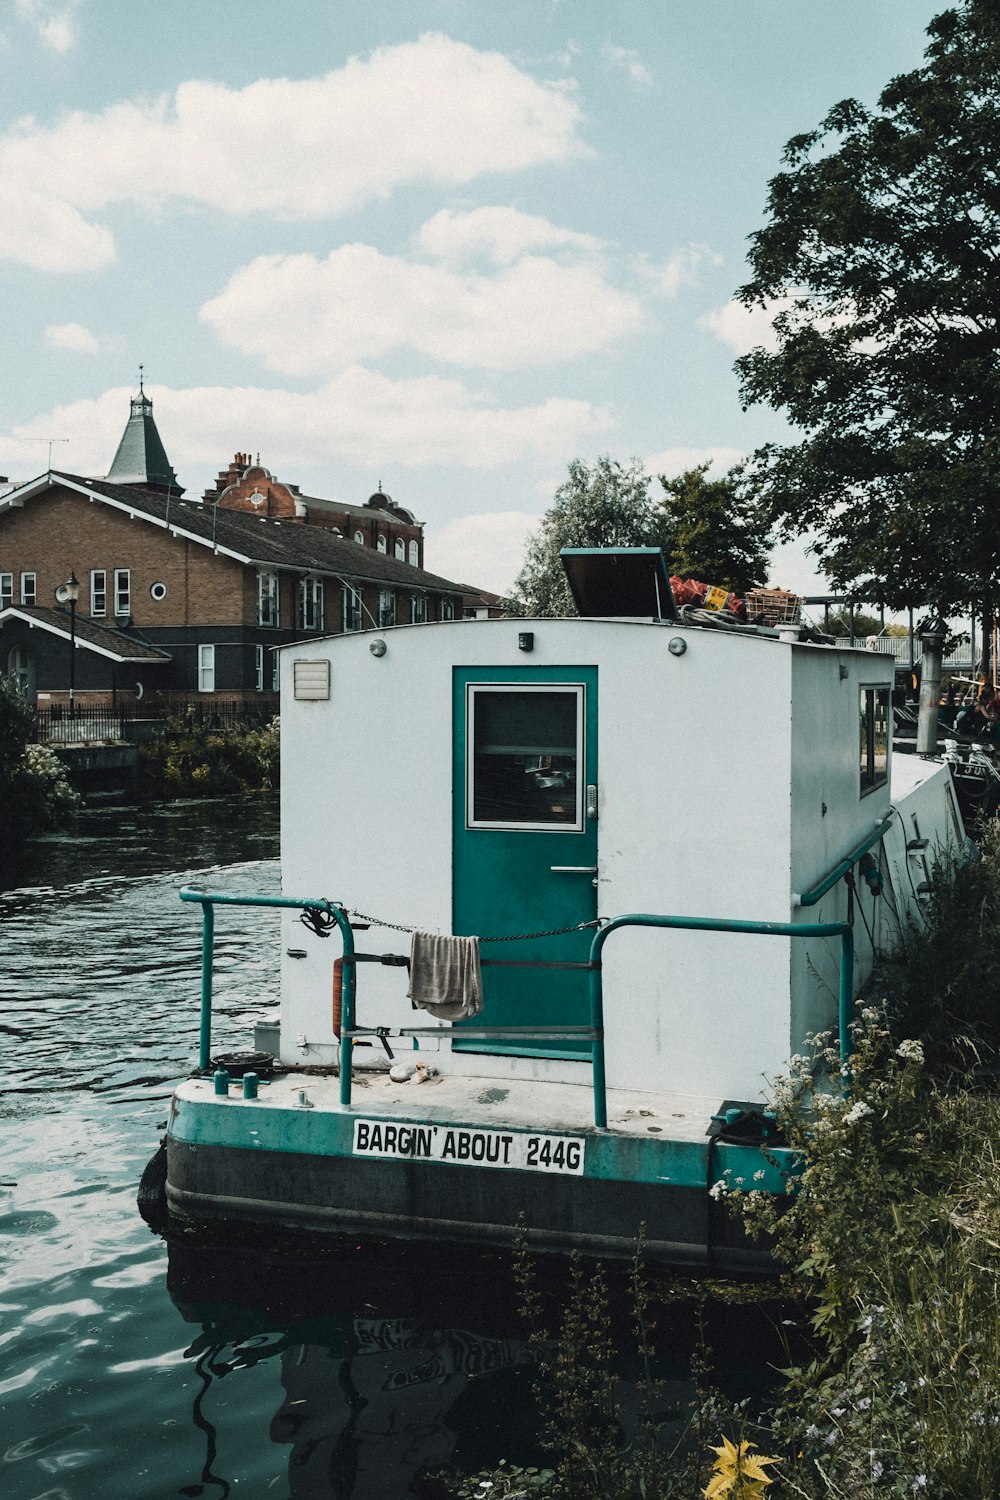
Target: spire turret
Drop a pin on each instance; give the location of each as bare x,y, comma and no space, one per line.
141,458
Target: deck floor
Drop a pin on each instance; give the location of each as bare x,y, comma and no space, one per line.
490,1103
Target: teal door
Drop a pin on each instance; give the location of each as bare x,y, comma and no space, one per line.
525,842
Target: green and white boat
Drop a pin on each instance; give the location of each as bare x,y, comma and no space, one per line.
681,846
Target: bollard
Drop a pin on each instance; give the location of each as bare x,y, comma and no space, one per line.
221,1079
250,1085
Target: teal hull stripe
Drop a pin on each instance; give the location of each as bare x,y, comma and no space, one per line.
254,1126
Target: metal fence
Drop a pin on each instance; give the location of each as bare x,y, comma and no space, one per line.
111,721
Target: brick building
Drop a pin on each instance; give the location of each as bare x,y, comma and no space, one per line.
187,596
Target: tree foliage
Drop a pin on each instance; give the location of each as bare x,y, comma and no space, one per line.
706,528
710,531
881,262
602,505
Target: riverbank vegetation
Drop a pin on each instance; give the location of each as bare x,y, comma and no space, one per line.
887,1309
192,760
35,793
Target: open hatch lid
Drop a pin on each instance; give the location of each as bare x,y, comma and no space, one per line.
619,582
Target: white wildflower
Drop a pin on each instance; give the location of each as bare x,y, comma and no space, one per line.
910,1051
719,1189
857,1112
759,1176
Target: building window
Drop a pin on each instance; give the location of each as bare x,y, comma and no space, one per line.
275,672
267,599
359,537
310,604
874,737
28,588
353,602
414,555
20,668
123,591
399,550
386,608
418,609
380,544
206,669
447,609
98,592
258,652
6,590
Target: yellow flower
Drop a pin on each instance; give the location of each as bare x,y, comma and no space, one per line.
738,1474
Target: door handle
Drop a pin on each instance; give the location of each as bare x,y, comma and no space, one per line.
573,869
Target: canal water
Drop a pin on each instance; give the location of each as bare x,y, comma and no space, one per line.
134,1371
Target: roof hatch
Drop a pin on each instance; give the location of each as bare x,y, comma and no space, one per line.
619,582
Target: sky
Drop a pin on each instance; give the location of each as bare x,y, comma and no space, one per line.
441,247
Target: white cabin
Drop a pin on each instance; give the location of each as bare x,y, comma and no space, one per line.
510,777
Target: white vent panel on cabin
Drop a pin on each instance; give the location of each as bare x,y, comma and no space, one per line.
311,680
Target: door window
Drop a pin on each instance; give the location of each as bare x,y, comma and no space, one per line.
524,757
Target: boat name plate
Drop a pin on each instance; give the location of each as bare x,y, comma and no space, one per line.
468,1146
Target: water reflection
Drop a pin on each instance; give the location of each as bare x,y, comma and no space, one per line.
392,1363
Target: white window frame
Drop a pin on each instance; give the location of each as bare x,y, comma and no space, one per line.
386,608
268,600
399,549
352,617
359,537
29,589
311,602
258,662
206,669
98,591
414,554
418,609
275,672
123,591
6,590
447,609
472,691
380,543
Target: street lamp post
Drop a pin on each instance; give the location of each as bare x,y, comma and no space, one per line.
72,594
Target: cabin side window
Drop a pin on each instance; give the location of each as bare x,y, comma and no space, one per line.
874,737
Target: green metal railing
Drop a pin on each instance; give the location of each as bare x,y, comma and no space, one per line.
595,1034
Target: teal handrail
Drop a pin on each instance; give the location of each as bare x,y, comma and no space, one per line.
208,899
714,924
816,892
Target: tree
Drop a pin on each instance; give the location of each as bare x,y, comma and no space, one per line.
881,257
711,532
604,505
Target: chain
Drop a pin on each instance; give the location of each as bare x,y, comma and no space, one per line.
512,937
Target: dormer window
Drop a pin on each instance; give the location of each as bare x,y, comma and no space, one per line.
380,544
414,555
359,537
399,551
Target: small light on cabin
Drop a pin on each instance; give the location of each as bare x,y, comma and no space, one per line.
677,645
526,641
377,648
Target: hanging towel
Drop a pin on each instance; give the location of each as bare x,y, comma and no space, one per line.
445,977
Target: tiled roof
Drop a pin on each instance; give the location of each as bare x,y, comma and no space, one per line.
90,634
277,544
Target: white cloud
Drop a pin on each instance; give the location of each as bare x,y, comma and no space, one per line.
71,336
629,59
433,111
674,461
678,270
358,414
486,550
744,328
49,235
501,234
53,23
302,315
